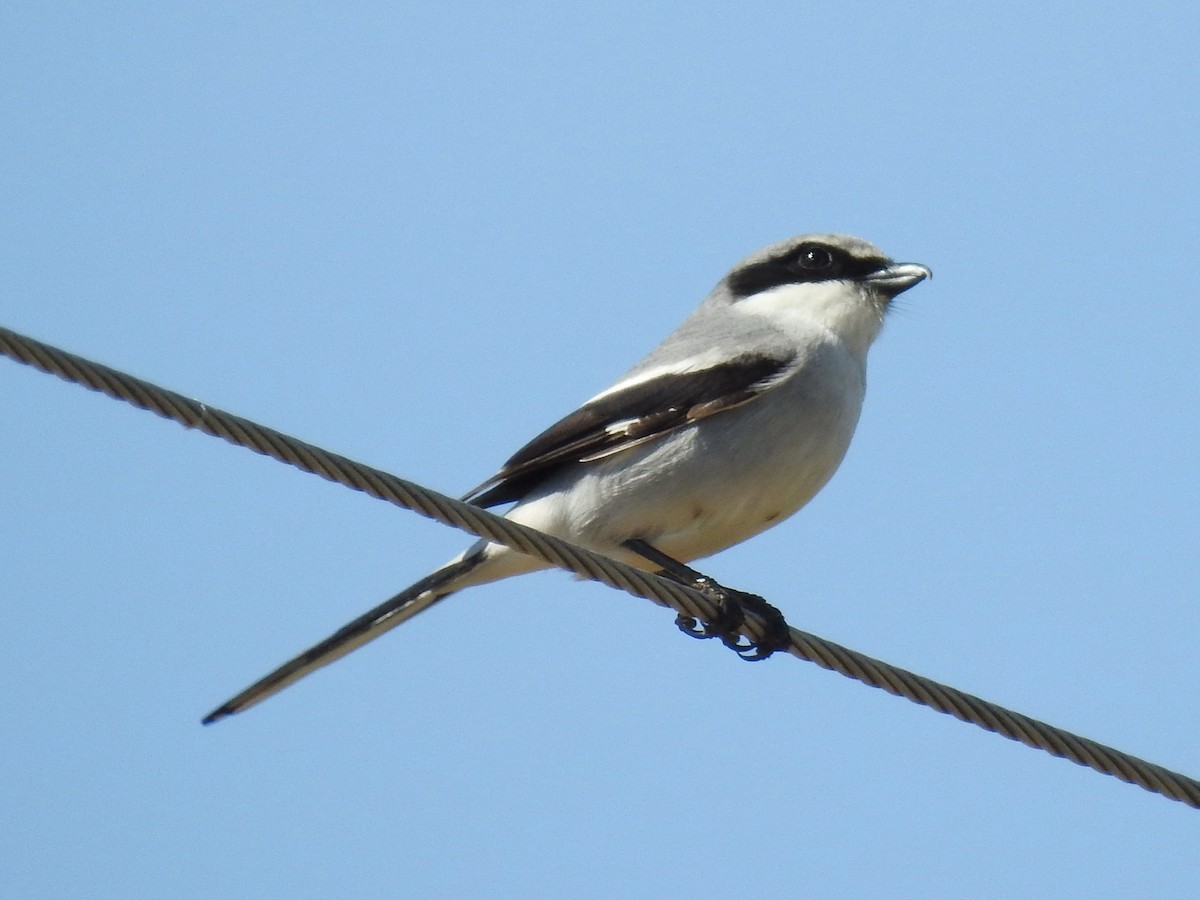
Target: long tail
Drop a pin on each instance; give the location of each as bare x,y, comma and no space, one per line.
370,625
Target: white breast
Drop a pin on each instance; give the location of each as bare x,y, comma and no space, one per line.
719,481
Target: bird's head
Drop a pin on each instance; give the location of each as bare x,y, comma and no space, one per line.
833,281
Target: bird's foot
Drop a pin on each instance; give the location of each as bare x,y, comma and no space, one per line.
731,608
731,615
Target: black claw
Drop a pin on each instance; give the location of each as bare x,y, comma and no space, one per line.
691,627
731,609
725,626
777,635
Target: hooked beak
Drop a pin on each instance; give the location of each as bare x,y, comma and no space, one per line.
898,278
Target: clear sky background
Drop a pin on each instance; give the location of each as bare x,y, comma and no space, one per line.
417,236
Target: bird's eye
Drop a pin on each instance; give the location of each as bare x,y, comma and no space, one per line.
815,258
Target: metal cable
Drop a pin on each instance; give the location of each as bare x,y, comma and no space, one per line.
360,477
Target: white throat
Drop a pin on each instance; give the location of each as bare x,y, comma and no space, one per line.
847,311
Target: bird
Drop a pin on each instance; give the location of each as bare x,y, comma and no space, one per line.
729,426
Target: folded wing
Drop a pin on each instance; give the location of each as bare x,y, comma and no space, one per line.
642,409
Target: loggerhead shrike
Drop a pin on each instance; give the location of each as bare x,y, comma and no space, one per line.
729,426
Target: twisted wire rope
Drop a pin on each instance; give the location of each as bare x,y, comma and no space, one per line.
474,520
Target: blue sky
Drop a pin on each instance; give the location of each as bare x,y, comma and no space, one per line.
419,235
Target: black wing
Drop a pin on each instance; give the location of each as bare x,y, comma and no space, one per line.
626,418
